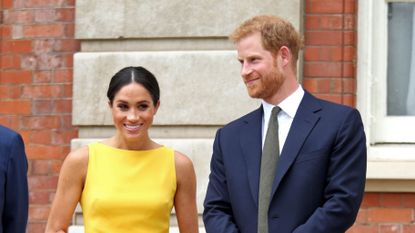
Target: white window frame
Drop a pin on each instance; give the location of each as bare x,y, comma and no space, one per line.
391,140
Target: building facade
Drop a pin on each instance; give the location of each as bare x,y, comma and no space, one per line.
57,56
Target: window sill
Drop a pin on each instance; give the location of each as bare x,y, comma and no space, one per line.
391,168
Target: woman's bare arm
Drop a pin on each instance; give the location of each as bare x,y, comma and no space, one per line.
68,193
185,199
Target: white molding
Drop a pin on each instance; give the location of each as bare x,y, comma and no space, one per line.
391,167
372,78
391,162
364,70
389,185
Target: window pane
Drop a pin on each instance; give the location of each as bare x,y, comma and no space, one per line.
401,60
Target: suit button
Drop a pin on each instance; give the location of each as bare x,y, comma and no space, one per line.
275,217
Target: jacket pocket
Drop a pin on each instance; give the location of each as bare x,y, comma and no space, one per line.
312,155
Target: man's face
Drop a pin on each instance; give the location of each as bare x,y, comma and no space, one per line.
260,70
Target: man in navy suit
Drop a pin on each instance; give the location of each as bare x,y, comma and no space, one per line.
321,170
14,199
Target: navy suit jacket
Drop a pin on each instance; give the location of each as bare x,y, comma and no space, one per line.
13,183
320,176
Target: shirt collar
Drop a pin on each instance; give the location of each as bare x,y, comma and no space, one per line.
289,105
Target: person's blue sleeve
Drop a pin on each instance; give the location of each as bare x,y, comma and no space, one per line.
16,200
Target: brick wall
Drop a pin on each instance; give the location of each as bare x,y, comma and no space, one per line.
386,213
37,45
330,49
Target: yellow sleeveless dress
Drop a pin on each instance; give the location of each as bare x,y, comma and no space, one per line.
128,191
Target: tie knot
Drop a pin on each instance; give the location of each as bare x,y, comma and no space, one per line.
275,111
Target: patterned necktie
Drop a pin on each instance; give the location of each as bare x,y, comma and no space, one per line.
269,161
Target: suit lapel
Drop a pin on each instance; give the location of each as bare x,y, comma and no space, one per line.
250,140
304,121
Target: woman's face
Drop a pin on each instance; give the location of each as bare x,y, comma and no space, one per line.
133,111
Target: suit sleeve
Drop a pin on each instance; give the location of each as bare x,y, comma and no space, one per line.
346,178
217,215
16,190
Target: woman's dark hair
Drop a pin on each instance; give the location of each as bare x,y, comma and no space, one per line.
138,75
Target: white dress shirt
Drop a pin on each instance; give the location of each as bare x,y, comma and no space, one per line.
289,108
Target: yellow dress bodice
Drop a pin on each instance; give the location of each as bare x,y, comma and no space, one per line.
127,190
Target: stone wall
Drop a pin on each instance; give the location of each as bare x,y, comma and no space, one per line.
184,43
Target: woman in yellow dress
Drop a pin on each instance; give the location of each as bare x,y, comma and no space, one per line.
127,183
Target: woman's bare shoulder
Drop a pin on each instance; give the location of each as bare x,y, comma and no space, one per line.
77,158
182,160
184,167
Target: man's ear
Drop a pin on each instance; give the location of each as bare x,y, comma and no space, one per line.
285,55
109,104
